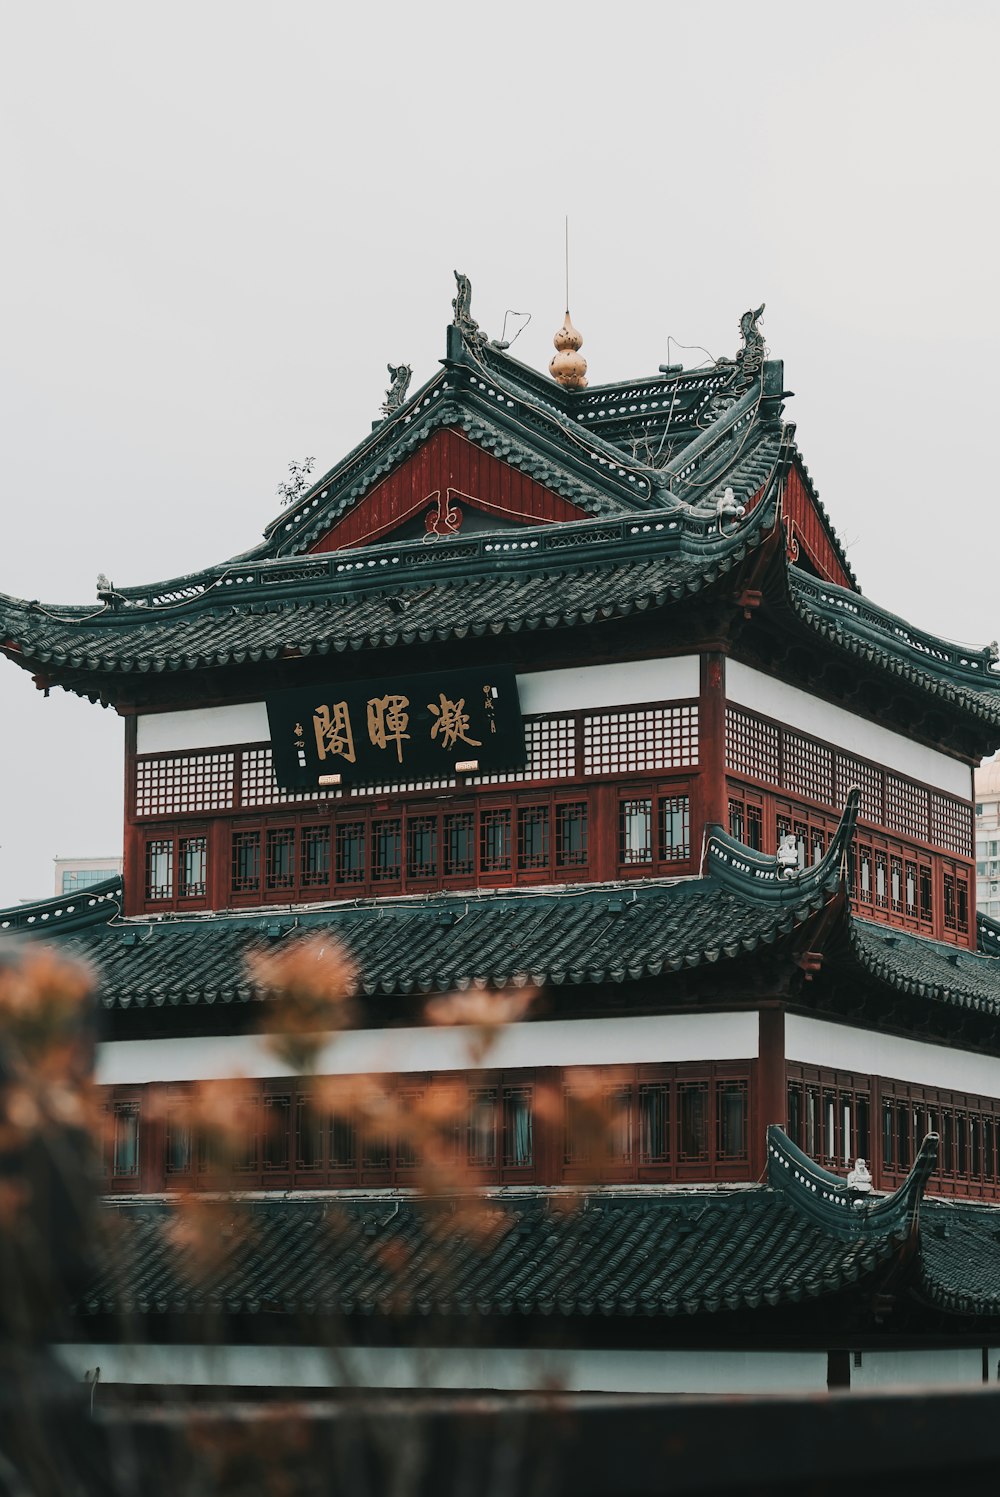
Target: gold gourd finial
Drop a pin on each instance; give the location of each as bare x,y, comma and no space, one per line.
567,366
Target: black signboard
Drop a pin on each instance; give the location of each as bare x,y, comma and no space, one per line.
397,727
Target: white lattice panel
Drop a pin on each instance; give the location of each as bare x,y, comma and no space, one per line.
853,772
648,738
951,825
193,782
907,807
260,788
751,746
808,768
551,750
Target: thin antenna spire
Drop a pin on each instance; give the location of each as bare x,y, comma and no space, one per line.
567,264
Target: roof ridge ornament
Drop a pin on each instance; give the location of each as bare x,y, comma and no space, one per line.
395,396
462,308
751,355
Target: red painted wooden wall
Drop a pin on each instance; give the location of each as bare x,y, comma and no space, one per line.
463,475
807,533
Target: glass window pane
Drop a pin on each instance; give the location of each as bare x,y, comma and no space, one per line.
160,869
518,1127
731,1112
192,855
692,1103
246,862
126,1139
571,835
635,831
495,841
350,852
654,1122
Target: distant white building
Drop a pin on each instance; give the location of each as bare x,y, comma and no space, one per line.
988,839
81,873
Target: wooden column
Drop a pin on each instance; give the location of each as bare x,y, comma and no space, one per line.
132,850
771,1085
712,737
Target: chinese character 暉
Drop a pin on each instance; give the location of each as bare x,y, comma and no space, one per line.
389,719
332,726
452,722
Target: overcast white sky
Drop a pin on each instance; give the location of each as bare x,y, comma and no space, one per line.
222,219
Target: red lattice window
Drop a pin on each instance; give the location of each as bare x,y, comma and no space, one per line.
315,857
651,738
907,807
692,1121
896,885
881,880
350,852
192,854
751,746
387,850
808,768
160,868
950,903
532,837
675,829
279,862
421,846
951,824
654,1123
746,818
494,840
188,782
518,1127
635,831
550,747
731,1119
309,1133
460,844
277,1131
125,1151
246,862
481,1128
571,835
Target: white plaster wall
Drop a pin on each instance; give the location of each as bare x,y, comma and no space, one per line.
609,685
556,1042
539,691
496,1368
204,727
938,1367
815,1042
797,709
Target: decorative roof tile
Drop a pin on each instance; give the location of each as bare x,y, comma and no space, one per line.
648,1253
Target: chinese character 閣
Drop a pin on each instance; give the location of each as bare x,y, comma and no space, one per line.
332,726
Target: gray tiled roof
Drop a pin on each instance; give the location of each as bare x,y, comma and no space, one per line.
649,1252
437,944
928,969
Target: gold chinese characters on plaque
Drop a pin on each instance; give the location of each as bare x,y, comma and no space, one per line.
398,726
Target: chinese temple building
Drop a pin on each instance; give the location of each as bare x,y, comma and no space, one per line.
569,686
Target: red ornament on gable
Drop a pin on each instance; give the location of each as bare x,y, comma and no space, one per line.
428,485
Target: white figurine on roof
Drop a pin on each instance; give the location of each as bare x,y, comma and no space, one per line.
788,855
859,1178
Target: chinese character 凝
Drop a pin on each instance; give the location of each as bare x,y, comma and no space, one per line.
389,719
332,726
452,722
